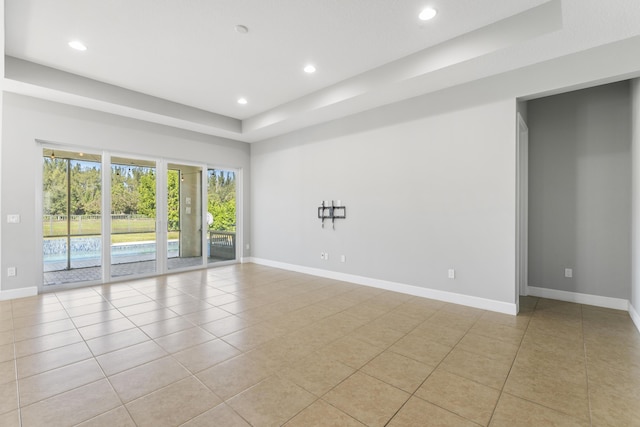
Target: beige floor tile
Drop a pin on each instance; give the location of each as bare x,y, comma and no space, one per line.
6,352
366,312
438,333
515,412
233,376
282,352
152,316
473,366
416,347
166,327
51,359
509,334
490,347
317,374
118,417
461,396
271,402
550,391
50,383
7,371
251,337
130,357
611,409
46,342
226,326
352,352
144,379
617,355
6,337
141,308
105,328
399,371
221,415
417,412
116,341
625,382
376,335
205,355
519,321
536,338
568,367
397,321
8,396
10,419
205,316
173,405
373,408
182,340
83,309
446,319
321,413
94,318
72,407
37,318
41,329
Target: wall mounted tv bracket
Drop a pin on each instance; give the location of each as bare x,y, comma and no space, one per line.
331,210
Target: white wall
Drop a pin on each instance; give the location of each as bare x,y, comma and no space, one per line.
635,262
580,191
27,119
422,196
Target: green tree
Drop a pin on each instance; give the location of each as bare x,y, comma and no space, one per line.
173,200
221,203
146,190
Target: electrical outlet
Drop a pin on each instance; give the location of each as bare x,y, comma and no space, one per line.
11,271
568,272
451,273
343,258
13,219
326,256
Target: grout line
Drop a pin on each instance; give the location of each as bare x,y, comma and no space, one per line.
513,362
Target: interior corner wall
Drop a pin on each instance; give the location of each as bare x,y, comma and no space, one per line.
635,283
580,191
26,119
422,196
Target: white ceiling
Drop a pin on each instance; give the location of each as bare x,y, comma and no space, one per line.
188,52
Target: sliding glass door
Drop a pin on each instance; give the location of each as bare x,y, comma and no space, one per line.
221,215
184,216
133,217
71,217
159,216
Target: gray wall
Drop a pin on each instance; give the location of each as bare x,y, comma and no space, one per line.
423,194
27,119
635,285
580,191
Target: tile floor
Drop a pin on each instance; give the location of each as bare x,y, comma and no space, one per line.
249,345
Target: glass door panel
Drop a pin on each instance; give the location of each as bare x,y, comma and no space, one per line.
71,217
133,217
184,216
221,215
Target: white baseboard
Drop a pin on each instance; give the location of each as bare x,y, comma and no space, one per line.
634,316
587,299
471,301
18,293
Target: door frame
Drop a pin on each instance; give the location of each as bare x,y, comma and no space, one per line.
522,207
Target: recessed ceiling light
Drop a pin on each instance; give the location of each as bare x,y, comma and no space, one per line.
77,45
242,29
309,69
242,101
427,14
